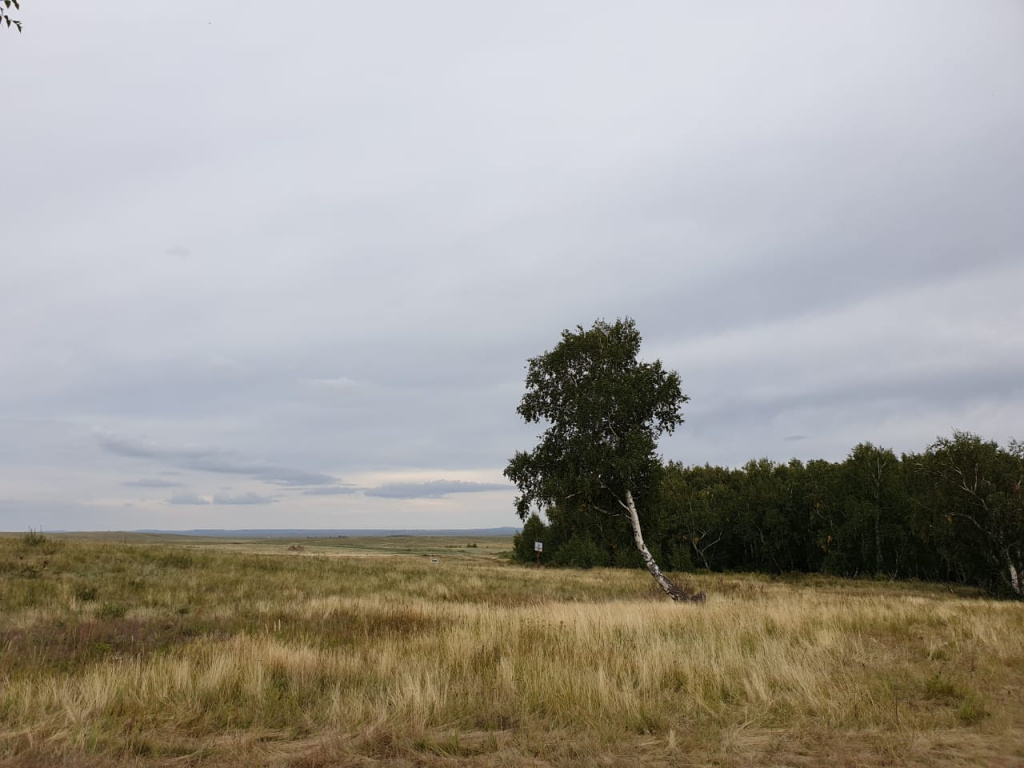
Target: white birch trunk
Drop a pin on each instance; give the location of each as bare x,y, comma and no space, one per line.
670,589
1015,578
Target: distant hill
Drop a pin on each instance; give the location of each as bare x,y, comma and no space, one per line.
327,533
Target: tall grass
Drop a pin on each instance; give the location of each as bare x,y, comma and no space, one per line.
238,659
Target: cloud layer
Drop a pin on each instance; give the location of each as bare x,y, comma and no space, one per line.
210,460
293,280
434,489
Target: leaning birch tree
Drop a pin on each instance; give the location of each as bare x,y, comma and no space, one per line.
605,411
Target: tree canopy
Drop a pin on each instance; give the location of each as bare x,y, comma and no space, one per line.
953,512
605,411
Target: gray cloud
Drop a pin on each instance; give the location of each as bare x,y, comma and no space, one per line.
142,450
331,490
187,499
913,390
209,460
434,489
152,482
243,498
339,385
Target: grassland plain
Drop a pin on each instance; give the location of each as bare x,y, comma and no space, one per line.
142,651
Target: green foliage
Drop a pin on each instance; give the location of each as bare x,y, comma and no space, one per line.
86,593
678,557
5,14
972,710
595,464
33,538
701,504
534,530
579,552
953,513
939,687
970,500
605,411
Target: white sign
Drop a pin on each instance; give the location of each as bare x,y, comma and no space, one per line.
538,546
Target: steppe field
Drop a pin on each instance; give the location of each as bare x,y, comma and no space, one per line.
131,650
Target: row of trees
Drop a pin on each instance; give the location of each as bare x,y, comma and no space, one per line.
954,512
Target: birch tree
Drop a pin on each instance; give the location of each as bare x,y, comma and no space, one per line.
605,411
977,509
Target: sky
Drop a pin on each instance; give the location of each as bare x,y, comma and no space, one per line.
271,265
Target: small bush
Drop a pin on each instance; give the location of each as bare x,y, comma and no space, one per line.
86,593
938,687
33,538
534,530
972,710
579,552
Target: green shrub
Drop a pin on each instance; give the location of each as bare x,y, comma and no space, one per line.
533,530
86,593
579,552
972,710
33,538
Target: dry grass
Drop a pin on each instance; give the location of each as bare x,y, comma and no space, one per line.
180,655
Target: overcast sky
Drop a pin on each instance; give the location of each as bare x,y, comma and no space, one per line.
272,265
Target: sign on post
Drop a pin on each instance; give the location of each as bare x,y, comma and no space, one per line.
538,547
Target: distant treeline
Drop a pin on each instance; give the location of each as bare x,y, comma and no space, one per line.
954,512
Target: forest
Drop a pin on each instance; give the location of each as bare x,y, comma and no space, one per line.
952,513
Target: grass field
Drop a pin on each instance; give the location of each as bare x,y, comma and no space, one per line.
151,651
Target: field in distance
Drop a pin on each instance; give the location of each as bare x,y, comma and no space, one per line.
145,650
392,544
